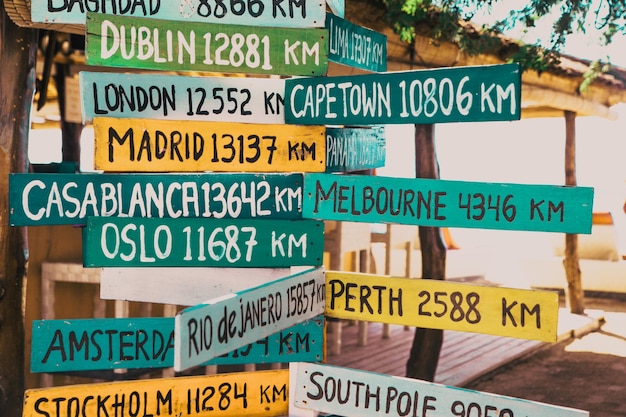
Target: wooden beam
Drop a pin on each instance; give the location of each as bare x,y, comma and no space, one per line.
18,53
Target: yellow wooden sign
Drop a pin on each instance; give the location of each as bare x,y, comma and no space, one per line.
524,314
262,393
141,145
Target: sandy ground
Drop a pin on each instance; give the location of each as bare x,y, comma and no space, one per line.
587,373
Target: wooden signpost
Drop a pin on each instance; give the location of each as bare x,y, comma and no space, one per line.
292,13
428,202
155,123
48,199
122,241
260,393
460,94
352,149
142,343
355,46
170,46
221,325
433,304
143,145
181,286
177,97
351,393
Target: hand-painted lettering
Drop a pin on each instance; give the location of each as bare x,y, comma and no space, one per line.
423,96
427,202
241,319
434,304
161,44
137,7
183,242
348,392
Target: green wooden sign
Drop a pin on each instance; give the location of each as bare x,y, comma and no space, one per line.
48,199
352,149
462,94
119,241
142,342
131,42
429,202
355,46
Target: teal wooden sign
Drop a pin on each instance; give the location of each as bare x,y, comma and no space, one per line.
441,203
254,12
142,343
123,241
222,325
461,94
353,393
355,46
49,199
178,97
169,46
352,149
98,344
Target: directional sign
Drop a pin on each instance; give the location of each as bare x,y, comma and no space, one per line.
141,343
181,286
338,7
260,393
352,149
143,145
176,97
429,202
133,42
355,46
524,314
461,94
353,393
91,344
221,325
118,241
47,199
257,13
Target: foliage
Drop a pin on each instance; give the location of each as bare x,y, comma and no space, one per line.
449,20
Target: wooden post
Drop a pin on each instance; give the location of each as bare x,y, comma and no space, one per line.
574,289
424,355
70,132
18,54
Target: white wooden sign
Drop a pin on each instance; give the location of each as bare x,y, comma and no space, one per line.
352,393
220,325
181,286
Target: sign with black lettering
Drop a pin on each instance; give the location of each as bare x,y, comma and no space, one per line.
291,13
178,97
134,42
221,325
142,343
181,286
443,203
143,145
433,304
352,149
260,393
352,393
460,94
48,199
123,241
355,46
